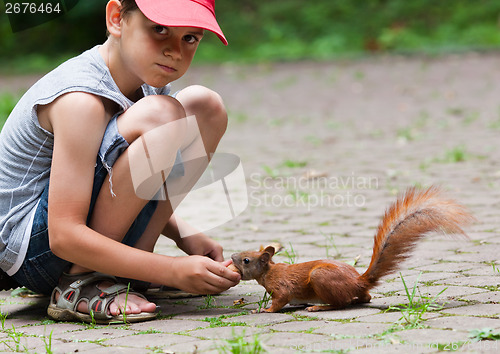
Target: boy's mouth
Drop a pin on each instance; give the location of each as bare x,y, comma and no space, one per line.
167,68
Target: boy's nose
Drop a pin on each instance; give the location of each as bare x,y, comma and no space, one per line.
173,49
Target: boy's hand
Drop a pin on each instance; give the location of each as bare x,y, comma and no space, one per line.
202,245
202,275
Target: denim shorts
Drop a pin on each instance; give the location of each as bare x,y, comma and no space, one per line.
41,269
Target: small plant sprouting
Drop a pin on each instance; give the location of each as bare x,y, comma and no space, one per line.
209,302
238,344
93,322
329,242
15,336
291,255
271,172
3,317
496,270
266,298
123,309
477,335
457,154
48,343
413,312
294,164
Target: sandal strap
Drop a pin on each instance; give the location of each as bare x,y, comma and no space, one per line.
99,304
75,288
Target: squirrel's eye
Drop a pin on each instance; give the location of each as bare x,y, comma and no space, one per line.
246,261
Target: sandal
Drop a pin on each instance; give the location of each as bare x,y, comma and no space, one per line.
75,288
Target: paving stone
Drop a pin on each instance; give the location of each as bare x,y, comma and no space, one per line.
392,317
330,345
149,340
346,314
303,326
115,350
354,329
97,334
383,348
70,347
450,292
433,337
21,344
226,332
194,346
489,310
446,267
479,281
45,330
293,341
485,297
464,323
207,313
357,126
167,326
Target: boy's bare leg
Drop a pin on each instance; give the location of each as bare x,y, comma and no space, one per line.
211,117
146,115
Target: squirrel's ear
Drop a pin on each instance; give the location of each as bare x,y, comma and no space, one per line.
270,250
265,258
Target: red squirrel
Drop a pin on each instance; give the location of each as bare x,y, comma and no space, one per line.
337,285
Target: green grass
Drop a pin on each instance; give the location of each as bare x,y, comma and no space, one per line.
413,312
216,322
291,255
239,344
7,104
275,31
477,335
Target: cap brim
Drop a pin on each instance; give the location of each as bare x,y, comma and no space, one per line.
181,13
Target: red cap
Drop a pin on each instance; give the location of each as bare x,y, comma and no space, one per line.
182,13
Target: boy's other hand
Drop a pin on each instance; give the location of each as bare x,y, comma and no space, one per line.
201,245
202,275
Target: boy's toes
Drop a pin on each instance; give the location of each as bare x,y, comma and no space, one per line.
135,305
148,307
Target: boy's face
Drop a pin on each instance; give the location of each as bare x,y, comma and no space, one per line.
157,54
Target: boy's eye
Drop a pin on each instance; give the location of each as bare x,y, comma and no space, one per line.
160,29
191,39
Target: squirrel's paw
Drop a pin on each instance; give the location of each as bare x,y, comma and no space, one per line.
262,310
321,308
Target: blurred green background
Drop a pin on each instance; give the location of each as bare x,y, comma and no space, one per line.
280,30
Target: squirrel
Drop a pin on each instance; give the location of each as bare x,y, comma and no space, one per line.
337,285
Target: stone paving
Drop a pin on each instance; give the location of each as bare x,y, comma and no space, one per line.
366,129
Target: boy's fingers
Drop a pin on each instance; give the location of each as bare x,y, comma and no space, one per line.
223,276
216,255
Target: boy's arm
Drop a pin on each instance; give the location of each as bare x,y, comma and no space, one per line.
196,243
78,121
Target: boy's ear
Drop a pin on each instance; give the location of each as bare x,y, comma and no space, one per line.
114,18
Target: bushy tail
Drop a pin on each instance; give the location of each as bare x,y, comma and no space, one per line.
411,217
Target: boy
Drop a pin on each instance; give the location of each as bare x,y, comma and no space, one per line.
112,102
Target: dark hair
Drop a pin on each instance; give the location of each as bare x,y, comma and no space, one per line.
128,6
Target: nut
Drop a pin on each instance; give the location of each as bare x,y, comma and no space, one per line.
233,268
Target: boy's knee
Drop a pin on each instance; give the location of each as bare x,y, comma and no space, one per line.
207,105
156,111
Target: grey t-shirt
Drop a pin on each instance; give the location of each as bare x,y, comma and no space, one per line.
26,148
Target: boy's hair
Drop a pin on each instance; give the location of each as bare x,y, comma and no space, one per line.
128,6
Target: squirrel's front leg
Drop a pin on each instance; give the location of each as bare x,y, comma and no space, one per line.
277,304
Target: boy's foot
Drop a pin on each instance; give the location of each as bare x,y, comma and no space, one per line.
95,297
